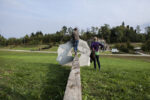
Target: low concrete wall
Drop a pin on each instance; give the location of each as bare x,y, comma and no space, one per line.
73,88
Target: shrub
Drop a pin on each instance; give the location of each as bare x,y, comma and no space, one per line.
125,47
129,46
146,46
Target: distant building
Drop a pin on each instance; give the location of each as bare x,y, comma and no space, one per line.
137,49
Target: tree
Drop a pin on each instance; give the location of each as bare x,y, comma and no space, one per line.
39,37
26,39
138,30
105,32
146,46
2,41
117,34
147,32
12,41
64,30
123,24
93,30
82,32
132,34
70,30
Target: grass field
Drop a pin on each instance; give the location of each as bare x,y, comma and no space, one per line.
37,76
31,76
120,78
133,44
23,47
30,47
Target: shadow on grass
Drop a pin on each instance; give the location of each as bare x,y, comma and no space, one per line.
55,84
52,88
8,94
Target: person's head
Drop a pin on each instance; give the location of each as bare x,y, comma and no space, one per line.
75,29
95,38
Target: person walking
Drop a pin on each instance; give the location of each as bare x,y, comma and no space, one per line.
75,40
95,49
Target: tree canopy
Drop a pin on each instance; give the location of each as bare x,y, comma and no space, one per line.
117,34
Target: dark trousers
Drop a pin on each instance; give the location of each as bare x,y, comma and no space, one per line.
97,60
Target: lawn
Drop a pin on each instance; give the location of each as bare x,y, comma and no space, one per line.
23,47
31,76
30,47
120,78
37,76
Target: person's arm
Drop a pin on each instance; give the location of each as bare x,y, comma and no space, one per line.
102,46
73,37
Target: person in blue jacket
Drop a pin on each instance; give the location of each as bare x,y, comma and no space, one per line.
95,48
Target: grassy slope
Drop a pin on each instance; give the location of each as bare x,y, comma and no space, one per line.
23,47
31,76
54,48
30,47
120,79
133,44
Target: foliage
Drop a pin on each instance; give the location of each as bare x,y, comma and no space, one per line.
146,46
118,34
105,32
127,47
2,41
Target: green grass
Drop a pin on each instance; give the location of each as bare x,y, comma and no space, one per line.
136,44
24,47
37,76
53,48
105,52
31,76
133,44
30,47
120,78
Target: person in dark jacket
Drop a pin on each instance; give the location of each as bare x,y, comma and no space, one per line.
95,50
75,40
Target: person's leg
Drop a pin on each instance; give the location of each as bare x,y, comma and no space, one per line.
75,47
97,58
95,63
77,42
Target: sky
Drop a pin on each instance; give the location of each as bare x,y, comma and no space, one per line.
21,17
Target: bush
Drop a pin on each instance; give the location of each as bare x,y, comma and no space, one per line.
146,46
129,46
125,47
